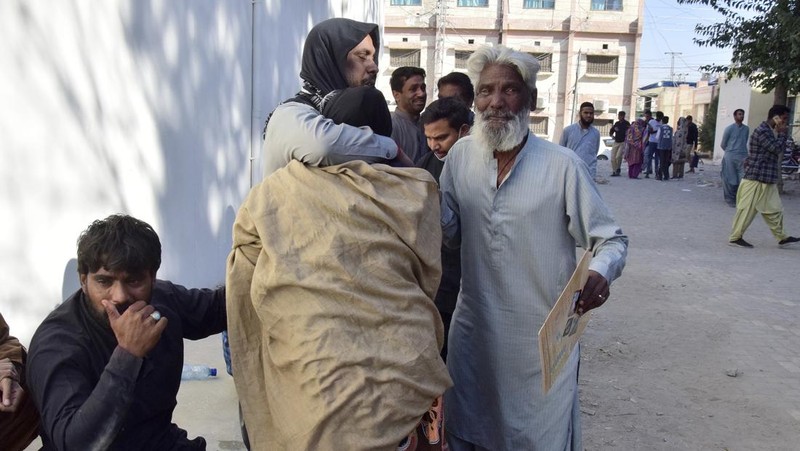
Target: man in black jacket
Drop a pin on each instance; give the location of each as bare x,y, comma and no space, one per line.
105,366
692,135
445,121
618,131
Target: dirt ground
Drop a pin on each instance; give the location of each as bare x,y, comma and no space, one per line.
697,348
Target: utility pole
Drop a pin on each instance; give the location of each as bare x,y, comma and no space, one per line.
503,21
439,49
575,88
672,65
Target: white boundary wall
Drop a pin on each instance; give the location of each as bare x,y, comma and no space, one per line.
150,108
734,94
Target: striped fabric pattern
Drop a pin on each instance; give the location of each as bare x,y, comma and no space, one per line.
518,246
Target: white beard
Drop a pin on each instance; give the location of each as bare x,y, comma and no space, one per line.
500,138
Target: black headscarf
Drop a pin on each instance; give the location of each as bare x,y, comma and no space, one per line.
325,59
325,52
361,106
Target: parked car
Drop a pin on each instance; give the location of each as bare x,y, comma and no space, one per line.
604,151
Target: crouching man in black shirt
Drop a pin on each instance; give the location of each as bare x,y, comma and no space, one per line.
104,368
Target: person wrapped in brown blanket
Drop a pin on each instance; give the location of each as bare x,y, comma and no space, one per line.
333,332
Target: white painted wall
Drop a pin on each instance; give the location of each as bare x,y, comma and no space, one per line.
735,94
150,108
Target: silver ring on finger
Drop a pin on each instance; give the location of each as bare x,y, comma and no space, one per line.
156,315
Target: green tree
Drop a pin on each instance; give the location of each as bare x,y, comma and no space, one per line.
764,36
706,132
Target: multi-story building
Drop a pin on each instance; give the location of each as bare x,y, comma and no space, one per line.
588,49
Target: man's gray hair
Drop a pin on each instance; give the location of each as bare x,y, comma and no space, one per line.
525,64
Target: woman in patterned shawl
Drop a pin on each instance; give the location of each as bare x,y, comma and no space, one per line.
634,152
680,149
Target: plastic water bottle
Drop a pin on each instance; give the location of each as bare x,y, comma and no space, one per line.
197,372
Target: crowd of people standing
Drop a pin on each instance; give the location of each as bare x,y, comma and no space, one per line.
652,145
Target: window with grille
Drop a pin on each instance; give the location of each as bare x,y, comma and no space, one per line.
461,58
545,61
405,2
539,4
538,125
473,2
602,65
606,5
404,57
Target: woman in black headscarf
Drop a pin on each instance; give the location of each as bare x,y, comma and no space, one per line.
324,68
364,106
336,55
370,393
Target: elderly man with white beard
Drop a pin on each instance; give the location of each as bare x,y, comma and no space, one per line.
517,206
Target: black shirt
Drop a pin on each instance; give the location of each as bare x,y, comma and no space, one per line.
691,134
93,394
618,130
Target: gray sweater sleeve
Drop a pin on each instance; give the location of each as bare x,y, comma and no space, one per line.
299,132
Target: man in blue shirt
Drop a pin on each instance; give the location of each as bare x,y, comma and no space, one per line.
734,143
583,138
651,151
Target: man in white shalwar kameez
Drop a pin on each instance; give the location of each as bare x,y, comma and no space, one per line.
517,206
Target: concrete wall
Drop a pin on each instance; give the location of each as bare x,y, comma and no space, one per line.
151,108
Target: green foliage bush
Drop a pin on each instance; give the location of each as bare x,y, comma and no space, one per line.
707,131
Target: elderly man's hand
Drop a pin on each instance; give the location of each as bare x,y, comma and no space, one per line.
10,390
595,292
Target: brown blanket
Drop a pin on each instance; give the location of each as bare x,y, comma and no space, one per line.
333,332
19,428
